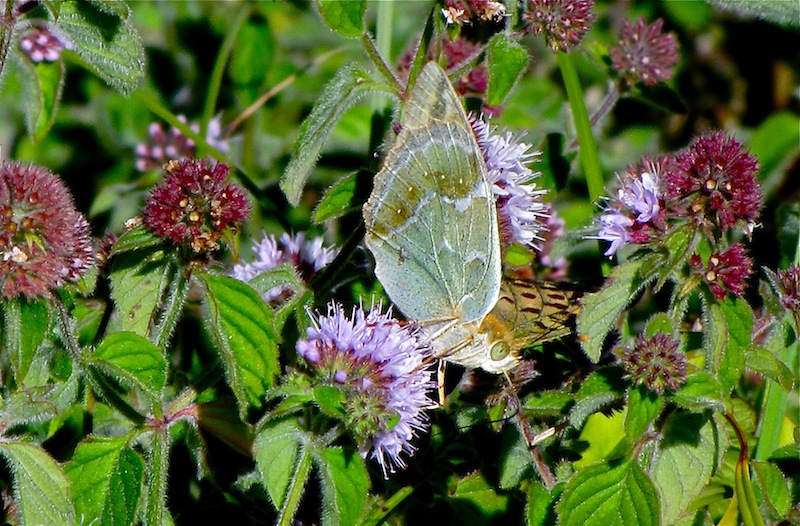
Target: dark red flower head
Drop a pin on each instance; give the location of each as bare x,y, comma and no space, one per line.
563,22
644,53
725,272
713,181
194,206
44,241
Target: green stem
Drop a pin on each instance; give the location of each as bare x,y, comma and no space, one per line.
215,82
381,512
380,63
588,157
383,40
157,469
295,490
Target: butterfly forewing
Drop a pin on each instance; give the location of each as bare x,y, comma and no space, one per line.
431,222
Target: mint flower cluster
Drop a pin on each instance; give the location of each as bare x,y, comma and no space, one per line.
380,368
710,188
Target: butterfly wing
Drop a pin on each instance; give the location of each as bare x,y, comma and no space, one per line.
530,312
431,220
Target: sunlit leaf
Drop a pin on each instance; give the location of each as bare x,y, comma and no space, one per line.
348,86
346,17
601,309
106,478
242,326
506,60
614,492
41,489
132,360
345,484
685,459
108,43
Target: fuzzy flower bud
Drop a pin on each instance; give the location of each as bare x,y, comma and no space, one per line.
41,44
655,363
194,206
644,53
563,22
379,367
44,241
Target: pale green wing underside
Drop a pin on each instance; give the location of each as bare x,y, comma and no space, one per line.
431,219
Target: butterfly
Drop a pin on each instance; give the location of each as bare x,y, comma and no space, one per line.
431,225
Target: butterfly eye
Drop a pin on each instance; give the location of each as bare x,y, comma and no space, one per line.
499,351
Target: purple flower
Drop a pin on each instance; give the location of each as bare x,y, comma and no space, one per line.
44,241
174,145
563,22
788,284
644,53
637,211
713,182
614,229
520,210
307,257
379,366
194,206
725,272
41,44
655,363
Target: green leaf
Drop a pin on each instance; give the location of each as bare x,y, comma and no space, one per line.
107,43
605,435
643,408
539,507
700,391
137,238
774,144
133,361
345,484
506,60
106,478
739,320
614,492
601,309
42,86
680,243
346,17
763,362
348,86
41,489
480,499
788,221
684,461
337,201
330,400
601,388
242,326
137,286
276,451
26,323
252,54
515,458
782,13
547,403
771,488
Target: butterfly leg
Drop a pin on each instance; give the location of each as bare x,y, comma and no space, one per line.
440,382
